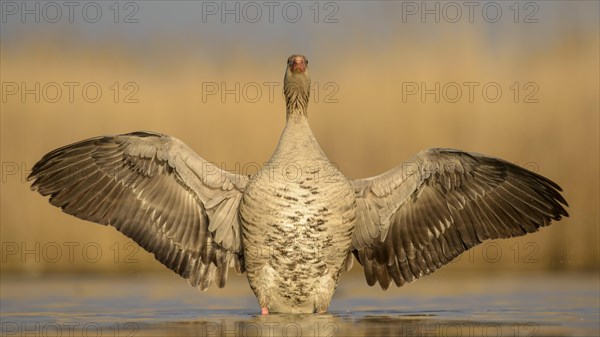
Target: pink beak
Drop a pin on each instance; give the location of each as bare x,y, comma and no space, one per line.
298,65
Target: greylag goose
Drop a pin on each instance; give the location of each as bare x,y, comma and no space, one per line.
297,223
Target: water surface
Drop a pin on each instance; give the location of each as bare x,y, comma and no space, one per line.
163,305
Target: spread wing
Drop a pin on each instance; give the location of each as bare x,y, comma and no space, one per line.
156,191
422,214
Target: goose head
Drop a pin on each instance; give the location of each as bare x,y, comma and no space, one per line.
296,85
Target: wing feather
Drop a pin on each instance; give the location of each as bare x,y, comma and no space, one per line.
422,214
155,190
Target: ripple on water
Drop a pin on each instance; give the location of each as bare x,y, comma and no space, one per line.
165,306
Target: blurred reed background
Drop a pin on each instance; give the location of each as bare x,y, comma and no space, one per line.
361,67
